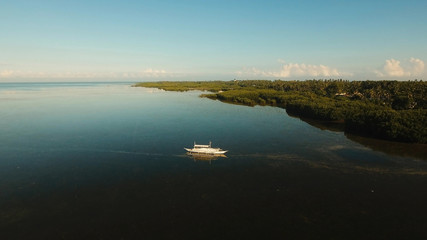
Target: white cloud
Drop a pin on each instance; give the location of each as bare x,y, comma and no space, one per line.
6,73
290,70
417,66
300,70
155,73
394,68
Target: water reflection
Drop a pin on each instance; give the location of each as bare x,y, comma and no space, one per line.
392,148
325,125
205,157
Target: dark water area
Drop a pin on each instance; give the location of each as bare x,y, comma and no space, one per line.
106,161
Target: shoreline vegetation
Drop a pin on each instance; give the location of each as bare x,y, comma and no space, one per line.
390,110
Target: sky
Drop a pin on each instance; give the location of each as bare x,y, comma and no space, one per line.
60,40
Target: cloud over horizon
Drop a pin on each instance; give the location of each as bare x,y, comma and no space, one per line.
290,70
394,68
146,73
6,73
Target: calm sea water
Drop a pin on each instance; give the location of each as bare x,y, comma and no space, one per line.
106,161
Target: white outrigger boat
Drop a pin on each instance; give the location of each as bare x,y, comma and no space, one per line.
205,149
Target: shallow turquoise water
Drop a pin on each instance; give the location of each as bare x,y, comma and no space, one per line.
106,160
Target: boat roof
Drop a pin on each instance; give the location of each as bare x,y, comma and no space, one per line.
201,146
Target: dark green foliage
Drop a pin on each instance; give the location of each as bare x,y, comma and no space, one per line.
406,125
332,89
393,110
401,102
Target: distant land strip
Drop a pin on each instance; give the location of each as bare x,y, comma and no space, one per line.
391,110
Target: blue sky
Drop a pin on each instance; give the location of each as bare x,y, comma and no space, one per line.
210,40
